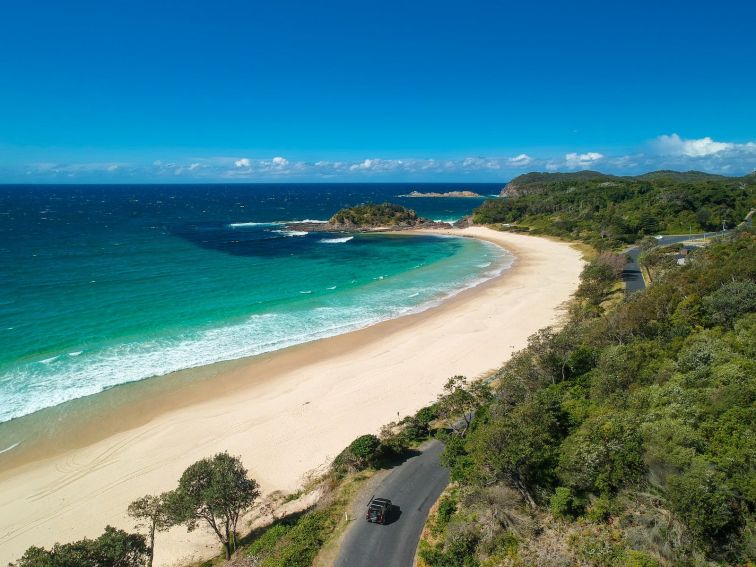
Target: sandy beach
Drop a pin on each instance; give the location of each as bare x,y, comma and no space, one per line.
285,414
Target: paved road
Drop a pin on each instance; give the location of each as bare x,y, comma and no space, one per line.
413,487
631,275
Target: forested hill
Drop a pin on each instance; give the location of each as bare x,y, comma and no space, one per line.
624,438
608,210
375,215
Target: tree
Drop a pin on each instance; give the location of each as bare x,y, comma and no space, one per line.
364,449
114,548
603,455
517,447
117,548
461,399
216,492
711,510
152,513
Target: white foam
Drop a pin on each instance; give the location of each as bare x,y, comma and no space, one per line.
243,224
77,353
10,448
307,291
48,360
332,287
290,233
335,240
33,386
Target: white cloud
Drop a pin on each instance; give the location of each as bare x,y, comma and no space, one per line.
480,163
700,147
665,152
575,160
376,164
521,160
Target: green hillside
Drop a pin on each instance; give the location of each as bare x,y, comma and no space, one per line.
625,438
607,210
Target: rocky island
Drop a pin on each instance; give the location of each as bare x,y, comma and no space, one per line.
370,217
447,194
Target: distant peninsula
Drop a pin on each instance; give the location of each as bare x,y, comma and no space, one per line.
448,194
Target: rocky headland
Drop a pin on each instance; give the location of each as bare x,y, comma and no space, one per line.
371,217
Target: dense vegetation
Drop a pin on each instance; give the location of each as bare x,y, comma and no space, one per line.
114,548
371,214
607,210
624,438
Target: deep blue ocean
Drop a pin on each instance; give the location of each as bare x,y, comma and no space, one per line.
106,284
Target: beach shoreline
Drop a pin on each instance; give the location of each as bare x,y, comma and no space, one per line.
285,413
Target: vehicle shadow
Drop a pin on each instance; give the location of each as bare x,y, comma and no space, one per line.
393,515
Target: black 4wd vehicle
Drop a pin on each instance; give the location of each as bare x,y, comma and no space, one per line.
378,510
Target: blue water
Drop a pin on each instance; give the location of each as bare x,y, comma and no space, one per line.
102,285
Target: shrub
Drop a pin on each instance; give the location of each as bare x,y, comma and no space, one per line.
458,552
446,508
600,510
266,543
604,454
707,505
427,414
298,547
563,503
730,301
634,558
361,453
365,449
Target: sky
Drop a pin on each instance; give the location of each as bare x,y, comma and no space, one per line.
199,91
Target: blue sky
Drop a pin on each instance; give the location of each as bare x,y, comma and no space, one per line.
131,91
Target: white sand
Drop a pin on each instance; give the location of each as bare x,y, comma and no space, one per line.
291,412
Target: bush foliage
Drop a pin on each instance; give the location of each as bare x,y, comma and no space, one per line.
633,424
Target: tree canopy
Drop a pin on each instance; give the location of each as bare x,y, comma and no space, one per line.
215,492
114,548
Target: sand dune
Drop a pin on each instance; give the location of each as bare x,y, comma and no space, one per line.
285,414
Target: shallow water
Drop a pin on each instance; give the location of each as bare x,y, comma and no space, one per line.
102,285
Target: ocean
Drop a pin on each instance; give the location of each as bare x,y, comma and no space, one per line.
106,284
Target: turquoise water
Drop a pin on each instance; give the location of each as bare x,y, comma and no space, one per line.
107,285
